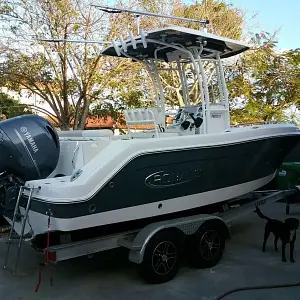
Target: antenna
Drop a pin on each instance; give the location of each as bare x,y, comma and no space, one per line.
114,10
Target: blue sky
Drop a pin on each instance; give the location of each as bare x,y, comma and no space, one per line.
273,15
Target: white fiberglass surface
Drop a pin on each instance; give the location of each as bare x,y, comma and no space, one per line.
118,153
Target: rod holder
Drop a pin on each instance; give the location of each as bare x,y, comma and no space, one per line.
132,39
124,46
117,49
143,37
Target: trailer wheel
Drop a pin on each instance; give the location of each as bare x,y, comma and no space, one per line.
207,245
161,257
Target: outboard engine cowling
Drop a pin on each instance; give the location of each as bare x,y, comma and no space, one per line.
29,147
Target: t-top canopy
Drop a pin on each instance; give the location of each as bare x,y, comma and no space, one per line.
183,36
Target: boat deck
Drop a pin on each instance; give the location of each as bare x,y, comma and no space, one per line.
109,275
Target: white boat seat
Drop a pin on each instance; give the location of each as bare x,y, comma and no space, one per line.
151,134
144,116
85,133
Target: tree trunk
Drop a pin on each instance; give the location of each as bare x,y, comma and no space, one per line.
85,111
65,123
179,97
267,118
64,127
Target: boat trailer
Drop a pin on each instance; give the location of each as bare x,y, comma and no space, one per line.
156,248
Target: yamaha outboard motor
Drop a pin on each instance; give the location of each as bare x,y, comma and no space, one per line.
29,150
29,147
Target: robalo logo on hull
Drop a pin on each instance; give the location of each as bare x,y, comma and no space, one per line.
162,179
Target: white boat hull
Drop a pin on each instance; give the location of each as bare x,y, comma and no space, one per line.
137,180
39,221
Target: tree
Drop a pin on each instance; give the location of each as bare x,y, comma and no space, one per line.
68,76
264,83
10,107
74,78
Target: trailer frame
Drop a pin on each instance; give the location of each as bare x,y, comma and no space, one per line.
185,228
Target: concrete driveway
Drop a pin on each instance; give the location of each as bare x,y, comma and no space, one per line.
109,275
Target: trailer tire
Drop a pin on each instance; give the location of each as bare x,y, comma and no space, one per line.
207,245
161,258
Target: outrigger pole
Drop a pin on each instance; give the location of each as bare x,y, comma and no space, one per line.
110,9
137,13
77,41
